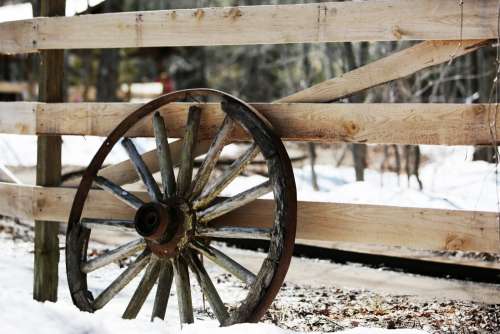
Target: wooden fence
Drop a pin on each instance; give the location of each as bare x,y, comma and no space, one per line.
307,115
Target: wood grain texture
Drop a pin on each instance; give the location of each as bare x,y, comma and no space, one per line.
121,281
419,228
184,177
385,20
18,117
164,156
417,123
143,289
48,166
394,66
183,290
208,288
163,289
142,170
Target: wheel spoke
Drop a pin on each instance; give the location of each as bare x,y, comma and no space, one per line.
224,261
163,290
234,232
108,224
208,288
213,190
212,157
124,172
118,284
142,170
143,289
233,203
118,192
114,255
189,142
164,155
183,291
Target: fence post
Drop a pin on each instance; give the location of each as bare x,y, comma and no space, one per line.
48,169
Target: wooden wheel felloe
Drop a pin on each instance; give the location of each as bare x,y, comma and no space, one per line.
174,226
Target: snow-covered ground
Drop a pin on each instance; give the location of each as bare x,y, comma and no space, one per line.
20,314
451,180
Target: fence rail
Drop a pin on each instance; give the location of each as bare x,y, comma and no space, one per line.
419,228
417,123
387,20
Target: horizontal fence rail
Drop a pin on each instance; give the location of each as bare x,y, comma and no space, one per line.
419,228
387,123
387,20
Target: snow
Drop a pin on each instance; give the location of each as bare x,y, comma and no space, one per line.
16,12
25,10
20,150
19,313
451,180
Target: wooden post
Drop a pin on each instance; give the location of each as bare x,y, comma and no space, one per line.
48,170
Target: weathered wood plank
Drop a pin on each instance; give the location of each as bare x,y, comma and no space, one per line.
394,66
48,166
232,203
208,288
113,255
183,290
119,192
387,20
142,170
419,228
163,289
121,281
417,123
18,117
143,289
213,190
224,261
164,156
114,225
235,232
212,157
187,156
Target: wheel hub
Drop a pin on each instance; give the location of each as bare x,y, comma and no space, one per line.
167,227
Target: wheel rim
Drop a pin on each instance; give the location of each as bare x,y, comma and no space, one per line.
171,242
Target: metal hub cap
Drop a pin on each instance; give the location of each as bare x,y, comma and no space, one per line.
167,228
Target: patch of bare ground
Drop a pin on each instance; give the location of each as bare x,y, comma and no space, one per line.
328,309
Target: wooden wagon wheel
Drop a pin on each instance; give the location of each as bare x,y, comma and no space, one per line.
174,226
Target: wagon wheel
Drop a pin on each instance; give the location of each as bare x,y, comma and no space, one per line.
174,227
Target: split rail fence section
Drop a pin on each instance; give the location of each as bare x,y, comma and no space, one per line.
444,33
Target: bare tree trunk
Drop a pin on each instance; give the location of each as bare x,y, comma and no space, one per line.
107,76
412,163
358,150
398,160
109,61
307,82
312,157
481,61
